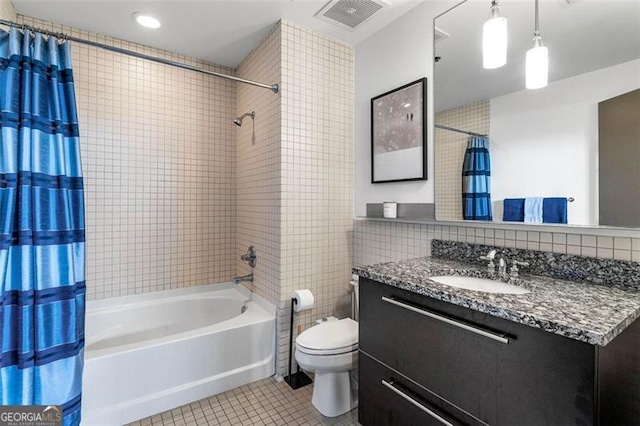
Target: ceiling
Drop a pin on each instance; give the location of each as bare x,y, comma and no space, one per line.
583,36
220,32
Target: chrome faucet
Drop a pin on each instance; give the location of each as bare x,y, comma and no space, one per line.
243,279
250,257
491,267
502,264
513,272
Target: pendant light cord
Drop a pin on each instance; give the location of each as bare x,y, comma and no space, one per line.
536,31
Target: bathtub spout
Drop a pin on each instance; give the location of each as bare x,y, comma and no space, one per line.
243,279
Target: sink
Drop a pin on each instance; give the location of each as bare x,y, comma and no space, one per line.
479,284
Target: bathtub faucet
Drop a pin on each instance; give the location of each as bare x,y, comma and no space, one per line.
250,257
243,279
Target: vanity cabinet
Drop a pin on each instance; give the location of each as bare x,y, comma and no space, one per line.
425,361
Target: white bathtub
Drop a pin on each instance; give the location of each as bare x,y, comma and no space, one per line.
149,353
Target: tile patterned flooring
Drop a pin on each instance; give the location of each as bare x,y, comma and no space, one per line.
262,403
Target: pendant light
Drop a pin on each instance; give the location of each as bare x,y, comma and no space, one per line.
537,59
494,39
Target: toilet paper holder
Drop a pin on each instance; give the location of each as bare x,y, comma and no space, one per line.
299,378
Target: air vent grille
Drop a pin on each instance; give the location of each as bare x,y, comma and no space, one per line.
348,14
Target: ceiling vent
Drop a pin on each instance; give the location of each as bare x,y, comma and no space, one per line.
349,14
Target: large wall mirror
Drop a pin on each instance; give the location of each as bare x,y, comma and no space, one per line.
577,139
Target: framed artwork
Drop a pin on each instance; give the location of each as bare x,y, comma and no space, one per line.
399,134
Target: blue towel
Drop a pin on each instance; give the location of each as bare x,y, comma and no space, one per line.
554,210
533,210
513,210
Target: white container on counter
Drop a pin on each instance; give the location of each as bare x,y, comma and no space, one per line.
390,209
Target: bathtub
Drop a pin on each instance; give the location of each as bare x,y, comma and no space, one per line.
149,353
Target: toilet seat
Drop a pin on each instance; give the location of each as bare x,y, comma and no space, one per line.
335,351
331,338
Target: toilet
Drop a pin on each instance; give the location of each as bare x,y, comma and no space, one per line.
330,350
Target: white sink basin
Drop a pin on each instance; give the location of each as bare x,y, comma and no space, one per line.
479,284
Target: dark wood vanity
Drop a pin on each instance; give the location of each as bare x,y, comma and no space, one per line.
428,362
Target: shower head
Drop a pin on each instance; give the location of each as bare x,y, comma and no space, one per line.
238,120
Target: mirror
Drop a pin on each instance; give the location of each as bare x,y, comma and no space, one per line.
548,142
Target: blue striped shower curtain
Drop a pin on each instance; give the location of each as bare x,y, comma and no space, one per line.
476,180
42,226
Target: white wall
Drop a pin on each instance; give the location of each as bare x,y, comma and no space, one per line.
545,142
400,53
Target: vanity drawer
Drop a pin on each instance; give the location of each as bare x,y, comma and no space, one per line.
499,371
389,398
456,363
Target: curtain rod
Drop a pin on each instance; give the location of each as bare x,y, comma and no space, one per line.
273,87
440,126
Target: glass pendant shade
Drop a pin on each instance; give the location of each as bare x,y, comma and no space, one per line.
494,39
537,65
537,68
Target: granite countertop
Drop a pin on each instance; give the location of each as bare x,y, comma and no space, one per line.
590,313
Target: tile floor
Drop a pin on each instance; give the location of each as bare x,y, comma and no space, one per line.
266,402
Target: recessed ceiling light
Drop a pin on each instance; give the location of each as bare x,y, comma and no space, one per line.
146,20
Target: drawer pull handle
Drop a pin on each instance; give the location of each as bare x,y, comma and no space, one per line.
500,338
416,403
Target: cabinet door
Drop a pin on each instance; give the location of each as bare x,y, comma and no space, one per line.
388,398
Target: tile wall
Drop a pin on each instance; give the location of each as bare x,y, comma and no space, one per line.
158,151
317,175
176,192
295,184
450,148
258,165
383,241
7,11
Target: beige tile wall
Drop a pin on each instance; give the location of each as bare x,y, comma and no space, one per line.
317,174
379,241
176,192
158,152
7,11
258,164
450,148
295,185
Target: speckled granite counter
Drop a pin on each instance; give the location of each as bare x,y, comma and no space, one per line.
586,312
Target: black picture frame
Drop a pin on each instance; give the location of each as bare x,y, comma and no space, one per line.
399,134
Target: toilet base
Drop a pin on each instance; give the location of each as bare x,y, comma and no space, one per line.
335,393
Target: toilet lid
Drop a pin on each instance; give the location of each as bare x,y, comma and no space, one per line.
333,336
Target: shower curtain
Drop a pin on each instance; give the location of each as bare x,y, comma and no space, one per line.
42,226
476,180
